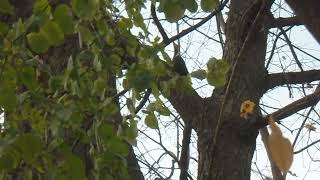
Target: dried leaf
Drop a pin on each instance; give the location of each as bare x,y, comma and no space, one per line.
280,148
246,109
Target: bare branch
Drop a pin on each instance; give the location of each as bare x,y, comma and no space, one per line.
307,101
276,173
204,20
282,22
306,147
159,26
278,79
290,109
309,12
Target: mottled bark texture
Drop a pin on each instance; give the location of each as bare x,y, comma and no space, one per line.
230,158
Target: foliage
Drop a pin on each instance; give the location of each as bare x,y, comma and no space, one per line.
57,102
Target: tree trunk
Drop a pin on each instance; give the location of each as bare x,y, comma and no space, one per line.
230,157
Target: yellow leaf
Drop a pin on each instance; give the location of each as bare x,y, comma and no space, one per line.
280,148
246,109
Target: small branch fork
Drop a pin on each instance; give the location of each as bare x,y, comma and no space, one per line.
167,40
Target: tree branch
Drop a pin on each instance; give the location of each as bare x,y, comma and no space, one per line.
309,12
278,79
185,153
290,109
276,173
306,147
282,22
163,33
204,20
307,101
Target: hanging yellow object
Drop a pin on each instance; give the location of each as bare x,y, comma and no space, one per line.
246,109
280,148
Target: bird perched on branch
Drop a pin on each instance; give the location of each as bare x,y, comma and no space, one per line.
179,66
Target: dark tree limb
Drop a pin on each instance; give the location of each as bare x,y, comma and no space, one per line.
307,101
309,12
167,40
276,173
185,153
282,22
184,103
291,48
306,147
204,20
133,166
163,33
290,109
278,79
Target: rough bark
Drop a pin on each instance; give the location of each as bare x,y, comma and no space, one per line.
230,158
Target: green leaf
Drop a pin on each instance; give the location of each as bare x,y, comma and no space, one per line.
138,20
41,7
8,99
29,145
106,131
151,121
131,132
140,78
217,70
191,5
74,167
6,7
4,28
54,33
173,11
199,74
209,5
85,9
9,160
118,146
63,17
161,108
28,77
110,37
86,35
38,42
124,24
55,83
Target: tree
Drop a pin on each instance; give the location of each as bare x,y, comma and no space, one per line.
66,67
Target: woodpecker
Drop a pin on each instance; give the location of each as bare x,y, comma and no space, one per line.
179,66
